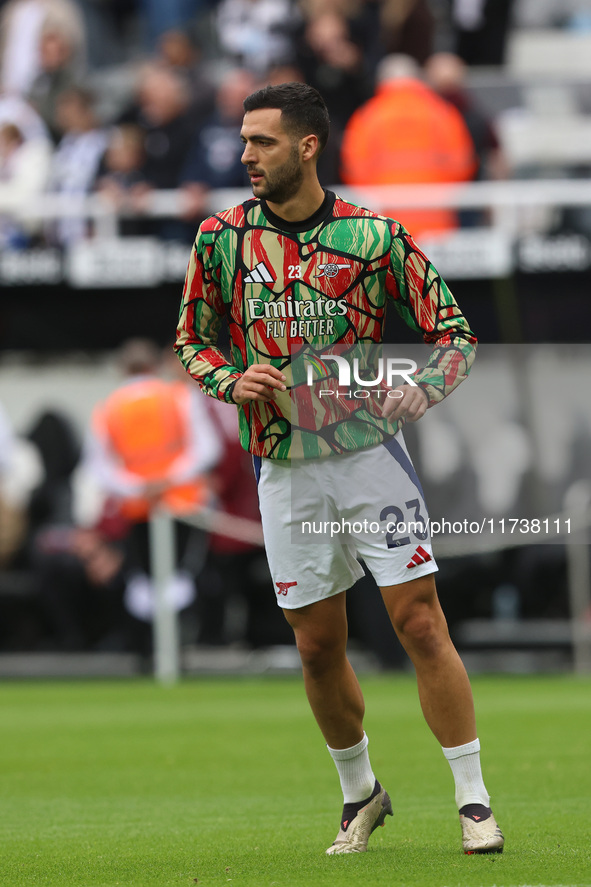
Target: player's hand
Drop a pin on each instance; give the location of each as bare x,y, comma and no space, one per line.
261,381
410,405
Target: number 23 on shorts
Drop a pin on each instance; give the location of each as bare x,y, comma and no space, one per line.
399,527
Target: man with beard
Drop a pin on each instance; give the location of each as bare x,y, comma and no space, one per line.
293,269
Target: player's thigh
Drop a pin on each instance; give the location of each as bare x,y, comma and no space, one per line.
303,572
320,628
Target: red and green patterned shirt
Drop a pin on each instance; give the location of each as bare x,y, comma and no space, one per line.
323,282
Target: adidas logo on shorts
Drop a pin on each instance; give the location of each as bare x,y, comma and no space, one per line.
419,557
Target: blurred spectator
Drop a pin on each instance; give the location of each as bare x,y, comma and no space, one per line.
69,565
381,27
311,9
446,74
77,158
164,110
21,473
215,157
122,180
406,27
284,74
24,172
22,23
80,582
11,523
408,134
151,444
57,75
14,109
41,503
172,14
77,572
333,62
54,437
124,158
481,29
179,53
6,443
150,440
112,30
257,33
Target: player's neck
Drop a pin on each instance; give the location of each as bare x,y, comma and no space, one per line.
302,205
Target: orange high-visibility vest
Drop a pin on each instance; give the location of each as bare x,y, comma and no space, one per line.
146,424
407,134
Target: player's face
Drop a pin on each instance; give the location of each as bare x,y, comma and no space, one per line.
271,156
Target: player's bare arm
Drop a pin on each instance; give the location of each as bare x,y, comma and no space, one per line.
411,405
260,381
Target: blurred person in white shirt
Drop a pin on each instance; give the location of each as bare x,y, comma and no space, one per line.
21,25
77,159
24,172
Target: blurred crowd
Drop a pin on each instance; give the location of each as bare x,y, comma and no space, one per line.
75,562
126,97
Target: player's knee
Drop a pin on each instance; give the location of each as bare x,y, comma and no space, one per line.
421,629
318,652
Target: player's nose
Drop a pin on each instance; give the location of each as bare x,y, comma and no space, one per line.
248,155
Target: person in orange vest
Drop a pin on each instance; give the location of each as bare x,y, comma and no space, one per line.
151,443
407,134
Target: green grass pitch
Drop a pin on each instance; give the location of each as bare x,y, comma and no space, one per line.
227,781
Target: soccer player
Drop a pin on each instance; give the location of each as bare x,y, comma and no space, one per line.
296,266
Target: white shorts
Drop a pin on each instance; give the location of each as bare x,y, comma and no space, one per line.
320,515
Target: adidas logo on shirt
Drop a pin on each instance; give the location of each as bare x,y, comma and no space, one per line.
260,274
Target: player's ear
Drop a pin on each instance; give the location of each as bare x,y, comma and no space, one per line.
309,147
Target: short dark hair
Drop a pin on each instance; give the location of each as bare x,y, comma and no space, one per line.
303,110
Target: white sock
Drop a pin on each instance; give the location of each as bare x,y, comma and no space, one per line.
464,761
354,769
